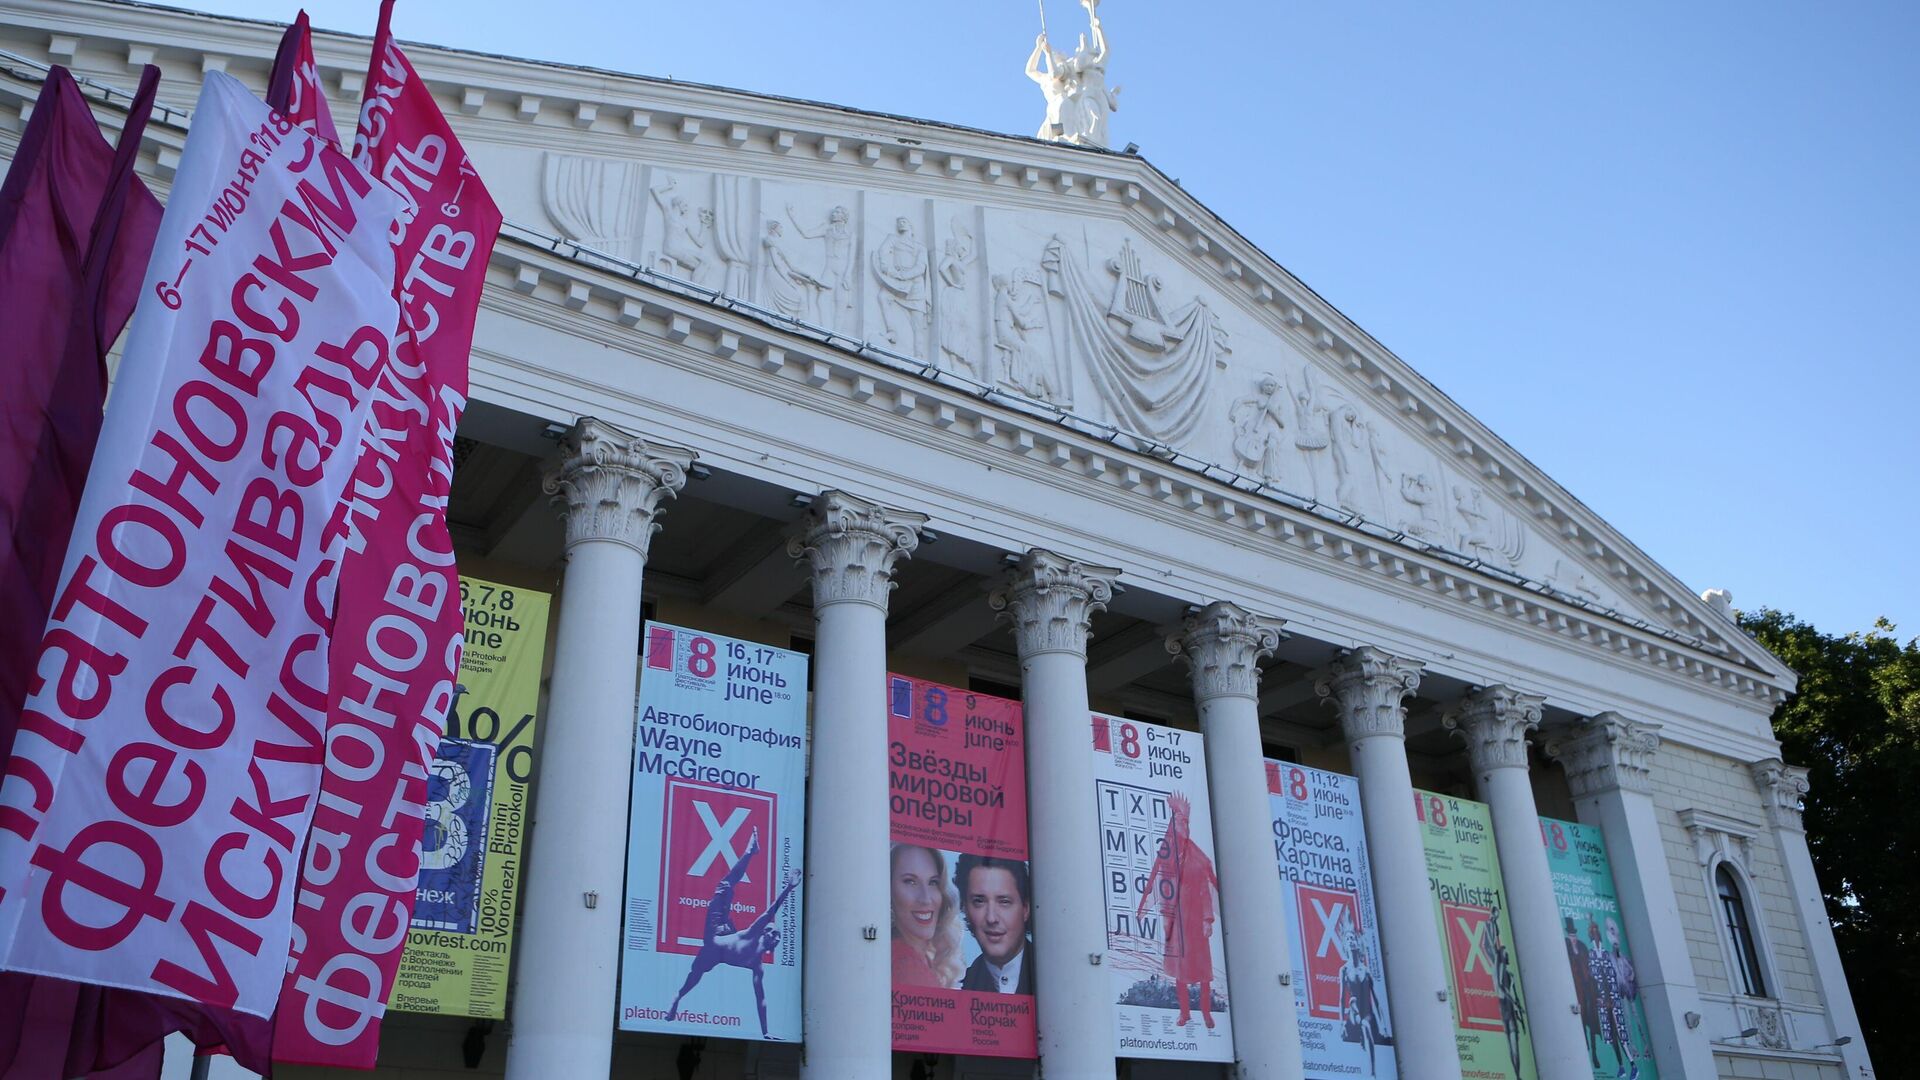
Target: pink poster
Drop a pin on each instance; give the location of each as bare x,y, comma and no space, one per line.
961,895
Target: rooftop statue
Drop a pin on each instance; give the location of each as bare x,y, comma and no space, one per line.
1078,99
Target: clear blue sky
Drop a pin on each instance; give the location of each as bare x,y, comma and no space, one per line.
1663,249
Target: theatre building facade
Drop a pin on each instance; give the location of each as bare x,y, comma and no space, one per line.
1001,620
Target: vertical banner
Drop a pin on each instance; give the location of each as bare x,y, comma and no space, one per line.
1164,949
1489,1015
158,798
1339,977
461,938
960,892
1618,1042
716,840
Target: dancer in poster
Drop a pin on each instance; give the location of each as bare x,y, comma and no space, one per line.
1360,999
725,944
1581,958
994,894
926,930
1184,879
1513,1014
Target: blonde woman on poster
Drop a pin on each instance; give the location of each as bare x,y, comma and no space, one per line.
926,931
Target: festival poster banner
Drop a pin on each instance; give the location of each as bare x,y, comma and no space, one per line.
960,892
1339,977
461,938
1615,1020
1165,953
1470,904
716,839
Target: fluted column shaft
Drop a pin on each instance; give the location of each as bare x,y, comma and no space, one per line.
852,546
1782,786
1608,761
1050,601
1223,645
1370,688
610,486
1495,721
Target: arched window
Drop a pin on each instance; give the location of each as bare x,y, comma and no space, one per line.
1733,912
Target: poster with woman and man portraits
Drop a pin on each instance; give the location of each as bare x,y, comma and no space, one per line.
960,895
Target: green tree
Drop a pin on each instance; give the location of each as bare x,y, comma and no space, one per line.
1855,725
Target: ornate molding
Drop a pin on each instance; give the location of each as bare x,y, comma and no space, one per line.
609,485
1782,787
853,545
1223,643
1494,721
1716,834
1050,601
1370,687
1606,752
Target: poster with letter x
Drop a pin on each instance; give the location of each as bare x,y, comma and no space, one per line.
1470,901
715,839
1339,975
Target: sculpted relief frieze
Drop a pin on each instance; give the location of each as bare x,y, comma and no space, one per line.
1073,310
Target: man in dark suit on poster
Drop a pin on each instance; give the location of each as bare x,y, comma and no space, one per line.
994,894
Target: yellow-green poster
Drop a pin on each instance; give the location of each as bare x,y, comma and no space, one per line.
1470,901
462,935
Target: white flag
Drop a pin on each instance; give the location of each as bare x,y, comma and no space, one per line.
154,812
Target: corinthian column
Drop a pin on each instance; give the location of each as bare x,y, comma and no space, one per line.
1782,786
1050,600
609,487
1608,761
1495,721
852,546
1370,688
1223,645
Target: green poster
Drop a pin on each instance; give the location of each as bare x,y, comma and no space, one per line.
461,938
1618,1043
1489,1014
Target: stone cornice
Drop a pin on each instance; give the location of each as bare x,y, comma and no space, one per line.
1050,601
1782,787
1370,687
558,285
583,107
853,546
609,485
1223,643
1606,752
1494,721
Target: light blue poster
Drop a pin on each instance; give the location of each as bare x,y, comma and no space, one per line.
1339,978
715,838
1615,1022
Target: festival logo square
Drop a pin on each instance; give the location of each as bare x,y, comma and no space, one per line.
1327,916
1475,989
704,831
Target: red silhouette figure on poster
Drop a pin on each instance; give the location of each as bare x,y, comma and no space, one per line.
1184,880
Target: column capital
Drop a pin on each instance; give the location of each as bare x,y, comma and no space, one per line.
1494,721
609,485
1606,752
1223,643
1370,687
1782,786
1050,601
853,545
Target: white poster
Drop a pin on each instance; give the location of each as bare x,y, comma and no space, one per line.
716,840
155,810
1165,953
1339,977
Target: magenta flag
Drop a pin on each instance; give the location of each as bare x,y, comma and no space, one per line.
76,227
294,90
396,643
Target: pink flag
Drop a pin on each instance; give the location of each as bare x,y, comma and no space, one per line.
157,801
397,630
76,227
294,90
